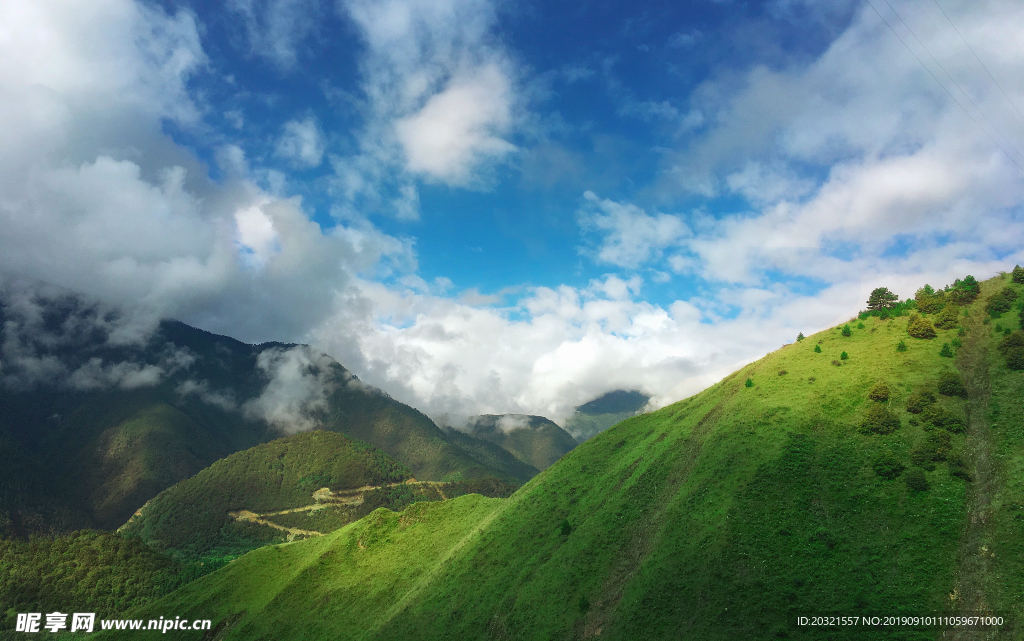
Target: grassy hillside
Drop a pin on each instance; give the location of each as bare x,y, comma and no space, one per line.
533,439
799,485
594,417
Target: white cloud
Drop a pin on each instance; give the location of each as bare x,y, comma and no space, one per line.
457,129
276,28
631,237
302,143
96,198
299,383
442,101
513,422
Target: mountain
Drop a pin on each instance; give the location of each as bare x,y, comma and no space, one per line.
594,417
299,486
101,410
533,439
860,471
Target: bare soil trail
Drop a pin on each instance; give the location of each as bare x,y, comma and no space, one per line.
974,575
323,498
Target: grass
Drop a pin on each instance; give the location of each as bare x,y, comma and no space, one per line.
723,516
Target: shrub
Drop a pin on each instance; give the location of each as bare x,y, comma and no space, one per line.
565,528
922,457
919,400
836,363
817,349
936,416
811,379
901,346
749,383
846,330
783,372
950,384
920,327
1001,301
887,466
916,480
1017,275
958,468
946,351
999,328
1014,340
860,325
1015,359
879,393
800,336
881,298
961,331
956,343
948,318
1007,331
937,445
879,420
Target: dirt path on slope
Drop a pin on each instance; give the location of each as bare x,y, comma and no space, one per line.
251,517
973,573
323,498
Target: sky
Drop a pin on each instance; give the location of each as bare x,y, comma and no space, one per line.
511,207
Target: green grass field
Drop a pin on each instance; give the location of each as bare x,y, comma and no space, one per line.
724,516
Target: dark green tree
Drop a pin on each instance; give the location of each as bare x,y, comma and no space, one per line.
882,298
846,330
817,349
1017,275
963,292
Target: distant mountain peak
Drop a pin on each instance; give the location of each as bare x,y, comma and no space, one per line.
615,402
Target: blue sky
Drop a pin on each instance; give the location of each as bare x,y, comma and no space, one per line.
486,206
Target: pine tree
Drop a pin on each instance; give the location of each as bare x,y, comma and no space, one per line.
882,298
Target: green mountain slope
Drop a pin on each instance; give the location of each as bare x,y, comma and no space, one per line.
295,487
594,417
94,426
533,439
796,486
